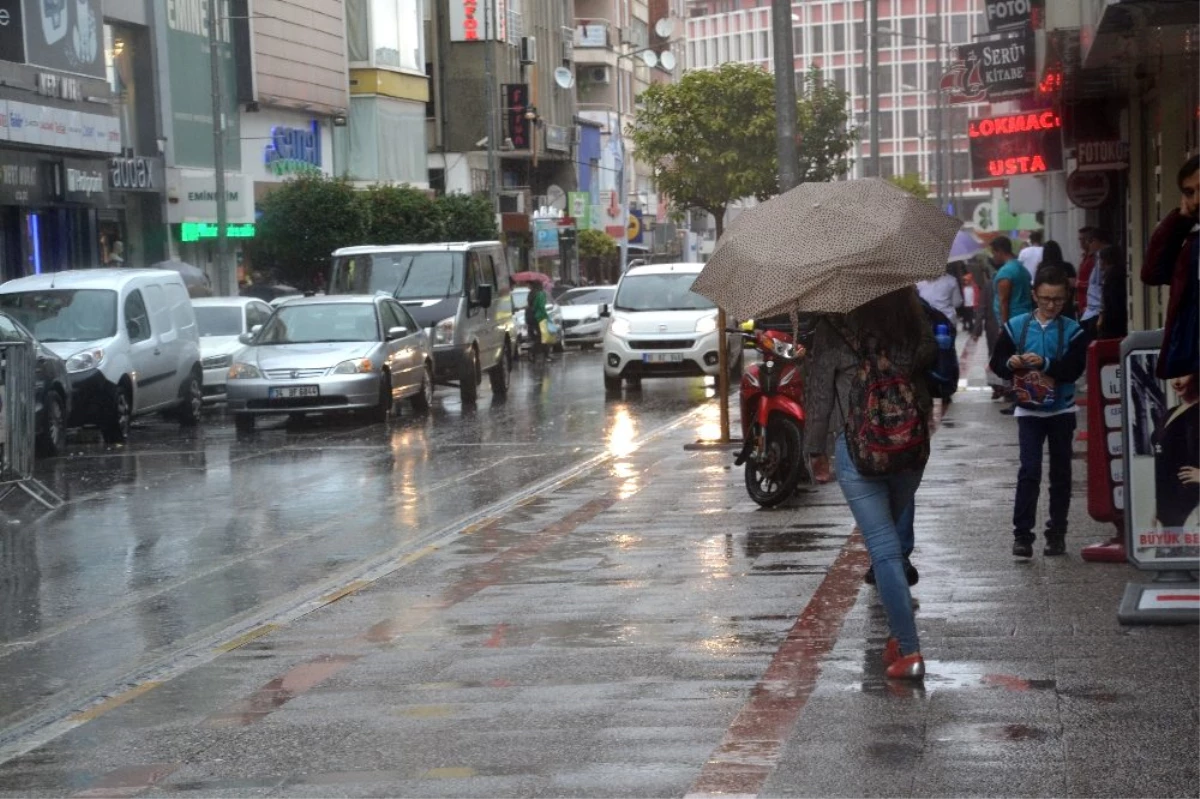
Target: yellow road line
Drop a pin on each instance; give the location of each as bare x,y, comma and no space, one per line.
245,638
96,711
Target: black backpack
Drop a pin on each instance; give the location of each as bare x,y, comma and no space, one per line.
943,375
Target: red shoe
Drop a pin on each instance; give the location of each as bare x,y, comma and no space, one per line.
891,652
909,667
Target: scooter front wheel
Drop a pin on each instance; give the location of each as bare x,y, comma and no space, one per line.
776,464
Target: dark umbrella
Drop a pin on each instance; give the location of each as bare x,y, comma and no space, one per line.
193,277
266,293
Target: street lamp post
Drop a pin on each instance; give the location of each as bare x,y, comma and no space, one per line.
226,283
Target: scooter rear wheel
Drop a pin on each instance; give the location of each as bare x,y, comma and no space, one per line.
775,467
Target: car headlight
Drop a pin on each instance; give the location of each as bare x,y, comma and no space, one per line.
85,360
243,371
443,331
620,327
217,362
706,325
354,366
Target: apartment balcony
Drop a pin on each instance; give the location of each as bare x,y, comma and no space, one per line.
595,42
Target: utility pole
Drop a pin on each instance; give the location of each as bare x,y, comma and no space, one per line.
489,101
873,23
785,93
226,283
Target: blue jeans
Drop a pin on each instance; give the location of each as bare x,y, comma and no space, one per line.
883,509
1033,432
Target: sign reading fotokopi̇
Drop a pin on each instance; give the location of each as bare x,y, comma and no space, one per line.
191,89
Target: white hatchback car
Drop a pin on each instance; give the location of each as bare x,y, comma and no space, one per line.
658,327
221,321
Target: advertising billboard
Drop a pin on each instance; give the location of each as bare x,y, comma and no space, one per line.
1028,143
66,35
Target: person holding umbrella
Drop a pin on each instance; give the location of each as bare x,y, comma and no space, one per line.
535,315
792,253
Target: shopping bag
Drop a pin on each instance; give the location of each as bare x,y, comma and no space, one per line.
548,331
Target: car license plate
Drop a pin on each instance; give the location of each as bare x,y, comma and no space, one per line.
663,357
290,392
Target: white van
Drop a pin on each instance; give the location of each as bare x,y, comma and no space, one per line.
129,338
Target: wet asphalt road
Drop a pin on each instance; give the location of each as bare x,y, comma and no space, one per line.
183,532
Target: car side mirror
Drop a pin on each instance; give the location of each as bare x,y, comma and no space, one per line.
484,296
604,312
246,338
396,332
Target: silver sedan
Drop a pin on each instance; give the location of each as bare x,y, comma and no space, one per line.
339,353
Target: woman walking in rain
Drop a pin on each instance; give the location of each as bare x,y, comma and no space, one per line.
891,329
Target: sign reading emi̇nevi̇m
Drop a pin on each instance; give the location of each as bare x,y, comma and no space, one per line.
294,150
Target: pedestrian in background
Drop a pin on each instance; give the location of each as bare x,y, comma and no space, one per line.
1052,255
970,307
535,315
1087,262
1032,254
894,328
1089,317
1043,348
1012,291
1113,320
944,294
1173,259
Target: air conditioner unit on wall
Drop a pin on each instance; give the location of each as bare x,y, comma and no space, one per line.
599,75
528,50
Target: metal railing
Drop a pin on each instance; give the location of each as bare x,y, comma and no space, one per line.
18,434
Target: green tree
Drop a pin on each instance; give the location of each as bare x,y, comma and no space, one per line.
912,184
710,137
400,215
596,244
303,221
467,217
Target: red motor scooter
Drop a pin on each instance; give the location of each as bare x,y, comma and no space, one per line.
772,403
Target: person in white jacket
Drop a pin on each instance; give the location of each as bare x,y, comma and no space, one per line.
944,294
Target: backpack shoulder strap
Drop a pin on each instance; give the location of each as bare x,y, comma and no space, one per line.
1024,333
1062,332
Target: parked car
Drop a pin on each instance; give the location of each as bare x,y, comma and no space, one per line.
128,336
582,324
52,389
460,292
323,354
659,327
221,321
520,296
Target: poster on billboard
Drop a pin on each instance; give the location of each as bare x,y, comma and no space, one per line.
191,94
12,32
66,35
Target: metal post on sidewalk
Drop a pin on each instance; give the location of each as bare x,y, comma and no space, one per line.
18,434
226,284
873,27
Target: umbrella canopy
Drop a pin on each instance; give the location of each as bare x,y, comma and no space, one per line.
966,245
194,277
527,277
826,248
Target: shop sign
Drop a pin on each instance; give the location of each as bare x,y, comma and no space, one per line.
580,205
195,231
294,150
1088,189
58,127
516,103
12,32
191,112
1016,144
192,197
59,87
545,238
1102,156
988,71
137,173
558,139
1004,15
473,20
24,179
84,181
67,35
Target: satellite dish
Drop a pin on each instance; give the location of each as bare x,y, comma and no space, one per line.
650,58
667,61
564,77
556,197
664,27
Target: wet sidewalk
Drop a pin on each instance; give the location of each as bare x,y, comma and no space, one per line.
645,630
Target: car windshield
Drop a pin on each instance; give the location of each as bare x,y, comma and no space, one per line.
587,297
668,291
320,322
65,314
406,275
216,320
520,298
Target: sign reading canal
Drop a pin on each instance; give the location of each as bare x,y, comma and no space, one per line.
1017,144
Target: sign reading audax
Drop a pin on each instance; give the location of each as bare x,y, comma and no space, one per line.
294,150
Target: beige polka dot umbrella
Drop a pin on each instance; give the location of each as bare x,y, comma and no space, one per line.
826,248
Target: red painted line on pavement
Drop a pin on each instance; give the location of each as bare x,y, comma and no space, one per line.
1178,597
128,780
751,747
497,639
281,690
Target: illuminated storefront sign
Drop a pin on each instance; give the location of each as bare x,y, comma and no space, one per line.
294,150
1017,144
473,20
194,231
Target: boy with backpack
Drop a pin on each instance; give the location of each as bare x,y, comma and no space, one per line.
1043,353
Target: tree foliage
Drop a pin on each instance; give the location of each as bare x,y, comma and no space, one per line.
467,217
304,220
596,244
912,184
401,215
710,137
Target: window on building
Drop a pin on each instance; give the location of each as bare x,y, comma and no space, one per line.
722,49
818,39
839,79
887,125
736,43
932,75
886,83
710,49
887,166
908,77
764,43
962,166
691,54
839,37
959,32
908,32
860,36
118,61
912,165
933,28
958,120
797,40
912,123
430,108
396,34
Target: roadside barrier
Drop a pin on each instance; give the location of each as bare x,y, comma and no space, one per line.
18,433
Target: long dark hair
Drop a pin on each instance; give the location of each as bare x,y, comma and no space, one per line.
1052,254
894,318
